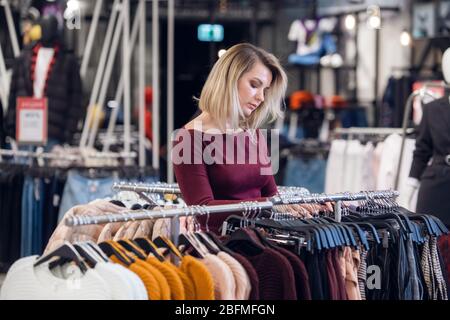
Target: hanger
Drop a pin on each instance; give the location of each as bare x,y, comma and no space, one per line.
219,243
322,239
189,240
86,254
131,247
241,237
97,250
358,223
110,249
310,230
149,247
64,253
203,237
330,234
361,234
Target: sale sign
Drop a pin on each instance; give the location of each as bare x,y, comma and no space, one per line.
31,121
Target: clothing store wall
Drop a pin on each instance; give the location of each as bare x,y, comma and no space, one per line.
283,47
392,24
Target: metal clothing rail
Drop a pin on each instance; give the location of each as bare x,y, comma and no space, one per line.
371,131
148,188
71,157
173,188
239,207
43,155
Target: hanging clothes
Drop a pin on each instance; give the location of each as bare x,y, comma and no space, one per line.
58,80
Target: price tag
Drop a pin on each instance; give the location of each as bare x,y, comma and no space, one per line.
31,121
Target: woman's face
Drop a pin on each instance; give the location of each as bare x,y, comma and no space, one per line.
252,87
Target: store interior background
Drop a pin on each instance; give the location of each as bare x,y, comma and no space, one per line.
370,56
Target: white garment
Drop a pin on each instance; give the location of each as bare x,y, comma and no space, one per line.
368,169
242,280
25,282
44,57
403,199
297,32
139,291
389,162
335,167
377,159
353,166
119,284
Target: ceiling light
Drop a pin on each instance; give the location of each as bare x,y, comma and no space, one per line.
350,22
405,38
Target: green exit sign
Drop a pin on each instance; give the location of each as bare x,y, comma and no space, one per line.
210,32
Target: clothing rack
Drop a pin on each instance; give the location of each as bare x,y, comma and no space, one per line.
43,155
371,131
71,157
172,188
245,206
148,188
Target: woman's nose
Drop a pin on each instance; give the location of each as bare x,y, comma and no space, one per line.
260,95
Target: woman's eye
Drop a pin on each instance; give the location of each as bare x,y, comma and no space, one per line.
254,86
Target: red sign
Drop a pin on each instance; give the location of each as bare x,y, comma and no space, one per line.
31,120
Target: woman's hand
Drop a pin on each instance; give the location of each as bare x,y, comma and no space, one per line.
304,210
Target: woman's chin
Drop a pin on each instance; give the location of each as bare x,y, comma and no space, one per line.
247,112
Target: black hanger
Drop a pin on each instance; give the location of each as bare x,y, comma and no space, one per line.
289,226
65,253
128,246
86,254
162,242
320,239
244,241
110,250
385,225
148,247
440,224
349,236
312,232
360,232
189,243
426,221
219,244
97,249
203,238
343,232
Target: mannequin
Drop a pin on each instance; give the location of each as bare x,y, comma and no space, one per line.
46,70
49,29
433,142
432,179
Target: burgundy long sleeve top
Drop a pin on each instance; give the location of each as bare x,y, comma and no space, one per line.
213,169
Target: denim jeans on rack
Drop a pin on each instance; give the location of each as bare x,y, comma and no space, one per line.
82,190
38,212
417,290
54,187
404,276
32,215
306,172
27,217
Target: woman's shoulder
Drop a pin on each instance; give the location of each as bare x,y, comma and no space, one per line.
202,123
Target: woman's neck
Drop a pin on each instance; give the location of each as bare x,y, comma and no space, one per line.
204,122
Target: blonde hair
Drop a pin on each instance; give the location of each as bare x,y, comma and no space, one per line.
220,98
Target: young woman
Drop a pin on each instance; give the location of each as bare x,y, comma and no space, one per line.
221,157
